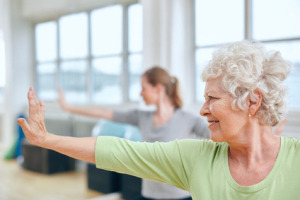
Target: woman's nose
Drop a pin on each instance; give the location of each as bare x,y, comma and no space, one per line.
205,109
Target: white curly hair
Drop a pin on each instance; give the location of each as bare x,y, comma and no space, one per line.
246,66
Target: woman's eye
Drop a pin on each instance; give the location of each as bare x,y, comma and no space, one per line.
209,98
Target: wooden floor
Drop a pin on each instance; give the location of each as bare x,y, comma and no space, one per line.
17,183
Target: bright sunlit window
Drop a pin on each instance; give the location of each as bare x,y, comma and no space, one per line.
281,33
135,46
93,59
107,49
73,52
215,25
46,57
276,26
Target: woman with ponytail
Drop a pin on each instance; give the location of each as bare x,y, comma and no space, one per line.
167,123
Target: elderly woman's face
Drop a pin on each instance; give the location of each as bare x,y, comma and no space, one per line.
225,124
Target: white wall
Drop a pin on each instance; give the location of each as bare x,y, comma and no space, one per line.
18,42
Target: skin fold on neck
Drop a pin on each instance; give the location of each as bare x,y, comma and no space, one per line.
254,154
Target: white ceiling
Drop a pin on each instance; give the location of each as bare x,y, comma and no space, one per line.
37,10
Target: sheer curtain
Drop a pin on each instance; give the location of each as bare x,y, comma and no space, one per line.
168,40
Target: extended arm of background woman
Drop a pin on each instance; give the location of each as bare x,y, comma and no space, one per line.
36,133
98,112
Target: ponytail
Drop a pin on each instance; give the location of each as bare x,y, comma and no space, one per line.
176,97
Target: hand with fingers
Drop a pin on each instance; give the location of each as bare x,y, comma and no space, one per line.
62,100
35,130
280,127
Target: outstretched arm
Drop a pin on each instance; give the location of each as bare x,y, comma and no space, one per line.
36,133
98,112
155,161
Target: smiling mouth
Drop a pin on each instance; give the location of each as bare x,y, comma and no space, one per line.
212,123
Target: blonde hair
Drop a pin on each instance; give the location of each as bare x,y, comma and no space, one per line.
246,66
157,75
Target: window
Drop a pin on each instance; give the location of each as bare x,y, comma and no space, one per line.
215,25
93,59
107,49
46,57
73,52
135,36
289,50
281,33
276,26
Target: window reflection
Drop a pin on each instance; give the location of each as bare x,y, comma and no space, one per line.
107,80
73,80
46,81
135,63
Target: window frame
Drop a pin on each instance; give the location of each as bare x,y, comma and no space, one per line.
124,55
248,30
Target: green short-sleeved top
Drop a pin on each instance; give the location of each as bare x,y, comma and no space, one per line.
200,167
182,125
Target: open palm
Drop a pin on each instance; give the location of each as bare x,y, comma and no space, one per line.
34,130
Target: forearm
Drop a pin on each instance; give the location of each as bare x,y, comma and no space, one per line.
79,148
96,112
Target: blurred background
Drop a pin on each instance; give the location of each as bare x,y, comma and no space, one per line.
96,50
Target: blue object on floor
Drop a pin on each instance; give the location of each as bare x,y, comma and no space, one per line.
110,128
15,149
20,138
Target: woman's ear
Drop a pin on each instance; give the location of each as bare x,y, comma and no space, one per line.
254,104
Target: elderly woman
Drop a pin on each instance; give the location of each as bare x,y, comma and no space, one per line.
245,97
